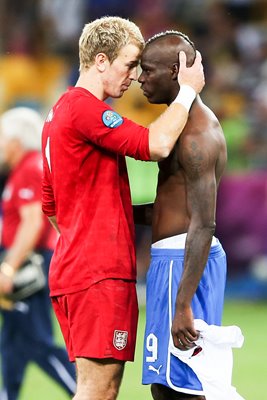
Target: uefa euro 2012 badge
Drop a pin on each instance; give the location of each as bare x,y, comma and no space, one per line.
111,119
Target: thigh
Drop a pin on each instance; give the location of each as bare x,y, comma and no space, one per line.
98,379
207,303
159,365
60,307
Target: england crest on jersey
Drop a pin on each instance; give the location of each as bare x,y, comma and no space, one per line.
120,339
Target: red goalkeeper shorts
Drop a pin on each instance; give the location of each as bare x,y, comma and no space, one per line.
101,321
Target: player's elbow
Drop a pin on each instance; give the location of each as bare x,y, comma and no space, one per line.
160,148
159,154
210,228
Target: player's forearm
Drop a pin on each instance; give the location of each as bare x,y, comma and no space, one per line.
25,241
164,132
196,255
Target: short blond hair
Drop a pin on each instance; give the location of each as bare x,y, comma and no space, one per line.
107,35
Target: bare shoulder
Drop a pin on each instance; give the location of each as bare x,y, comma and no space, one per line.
202,143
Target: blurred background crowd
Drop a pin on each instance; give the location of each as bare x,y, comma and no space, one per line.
39,60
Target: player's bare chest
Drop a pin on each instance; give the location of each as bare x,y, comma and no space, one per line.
171,165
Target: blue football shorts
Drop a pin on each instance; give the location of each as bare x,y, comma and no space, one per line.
163,277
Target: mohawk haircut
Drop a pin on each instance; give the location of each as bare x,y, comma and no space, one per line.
171,33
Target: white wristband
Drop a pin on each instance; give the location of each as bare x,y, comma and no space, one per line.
186,96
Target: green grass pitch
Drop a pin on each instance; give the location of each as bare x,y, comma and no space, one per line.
249,373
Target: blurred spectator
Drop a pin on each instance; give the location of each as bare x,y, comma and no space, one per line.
256,143
20,26
63,21
26,333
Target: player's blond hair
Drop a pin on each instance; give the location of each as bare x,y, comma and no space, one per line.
24,124
107,35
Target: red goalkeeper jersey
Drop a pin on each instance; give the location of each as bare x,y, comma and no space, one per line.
85,185
23,187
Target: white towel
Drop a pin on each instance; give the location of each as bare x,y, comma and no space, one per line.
213,362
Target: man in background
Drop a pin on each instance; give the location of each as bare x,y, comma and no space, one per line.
26,333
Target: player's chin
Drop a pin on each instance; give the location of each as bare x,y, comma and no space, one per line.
150,98
146,94
120,93
154,99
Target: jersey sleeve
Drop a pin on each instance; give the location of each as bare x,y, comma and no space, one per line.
29,188
104,127
48,200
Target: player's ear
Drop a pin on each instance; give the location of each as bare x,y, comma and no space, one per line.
175,71
101,61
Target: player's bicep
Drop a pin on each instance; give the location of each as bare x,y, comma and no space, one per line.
199,168
201,198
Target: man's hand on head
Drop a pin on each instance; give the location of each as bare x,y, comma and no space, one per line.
192,76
